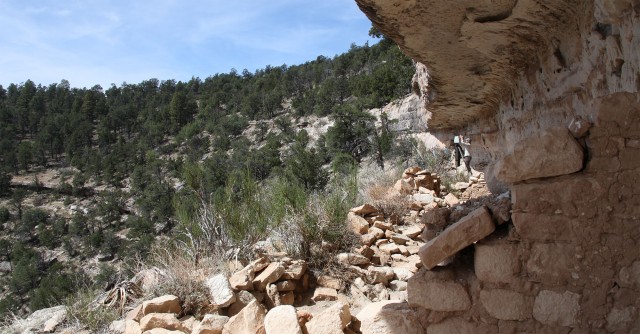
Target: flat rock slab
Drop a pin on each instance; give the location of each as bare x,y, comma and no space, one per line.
473,227
552,153
269,275
364,210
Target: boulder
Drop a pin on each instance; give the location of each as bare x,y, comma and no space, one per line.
250,320
135,314
412,231
383,225
364,210
188,323
389,248
132,327
282,319
116,326
295,270
473,227
162,304
160,320
400,239
358,224
243,298
452,200
243,279
210,324
332,320
368,239
403,187
220,291
379,275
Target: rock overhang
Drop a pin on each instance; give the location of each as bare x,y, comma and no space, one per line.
472,49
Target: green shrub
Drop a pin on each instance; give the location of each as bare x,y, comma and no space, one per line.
53,288
4,215
32,218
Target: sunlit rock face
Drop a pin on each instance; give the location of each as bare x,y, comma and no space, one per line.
504,70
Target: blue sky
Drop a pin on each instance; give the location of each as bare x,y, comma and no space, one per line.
92,42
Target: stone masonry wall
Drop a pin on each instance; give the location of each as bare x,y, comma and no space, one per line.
564,138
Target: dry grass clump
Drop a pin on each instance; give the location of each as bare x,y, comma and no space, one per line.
374,182
184,276
83,312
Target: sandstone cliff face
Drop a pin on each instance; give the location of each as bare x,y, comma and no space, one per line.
549,92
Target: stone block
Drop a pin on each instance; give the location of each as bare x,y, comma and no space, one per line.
571,196
389,317
496,263
412,231
383,225
249,320
210,324
358,224
220,291
452,200
557,309
270,274
620,319
389,248
295,270
543,227
282,319
453,325
162,304
551,153
364,210
351,259
507,305
284,286
473,227
243,298
551,263
332,320
132,327
160,320
400,239
322,293
629,277
436,294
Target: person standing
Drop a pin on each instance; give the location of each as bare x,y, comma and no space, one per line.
467,156
457,149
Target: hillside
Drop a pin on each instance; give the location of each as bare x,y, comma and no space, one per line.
91,178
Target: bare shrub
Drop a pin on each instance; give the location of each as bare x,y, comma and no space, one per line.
184,276
84,312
